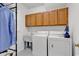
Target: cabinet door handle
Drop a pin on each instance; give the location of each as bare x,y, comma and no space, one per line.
52,45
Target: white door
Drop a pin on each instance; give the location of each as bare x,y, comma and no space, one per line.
58,47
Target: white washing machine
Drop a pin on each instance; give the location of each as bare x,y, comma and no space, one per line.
39,41
58,45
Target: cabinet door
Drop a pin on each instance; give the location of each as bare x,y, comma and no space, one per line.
46,18
63,16
53,17
27,20
39,19
33,20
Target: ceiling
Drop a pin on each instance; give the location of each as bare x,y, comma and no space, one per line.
32,5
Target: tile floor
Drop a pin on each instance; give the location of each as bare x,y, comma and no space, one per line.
25,52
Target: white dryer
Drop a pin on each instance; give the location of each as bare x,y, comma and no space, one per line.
58,45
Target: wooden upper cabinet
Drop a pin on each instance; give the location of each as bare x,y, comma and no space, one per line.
27,20
46,18
53,17
39,19
63,16
56,17
33,19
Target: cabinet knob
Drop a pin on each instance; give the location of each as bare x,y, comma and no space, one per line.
52,45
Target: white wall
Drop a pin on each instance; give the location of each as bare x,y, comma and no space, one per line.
74,23
47,28
46,7
21,12
74,20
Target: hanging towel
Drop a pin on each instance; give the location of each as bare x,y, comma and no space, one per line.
7,29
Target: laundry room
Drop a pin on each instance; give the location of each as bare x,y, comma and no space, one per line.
47,29
40,28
